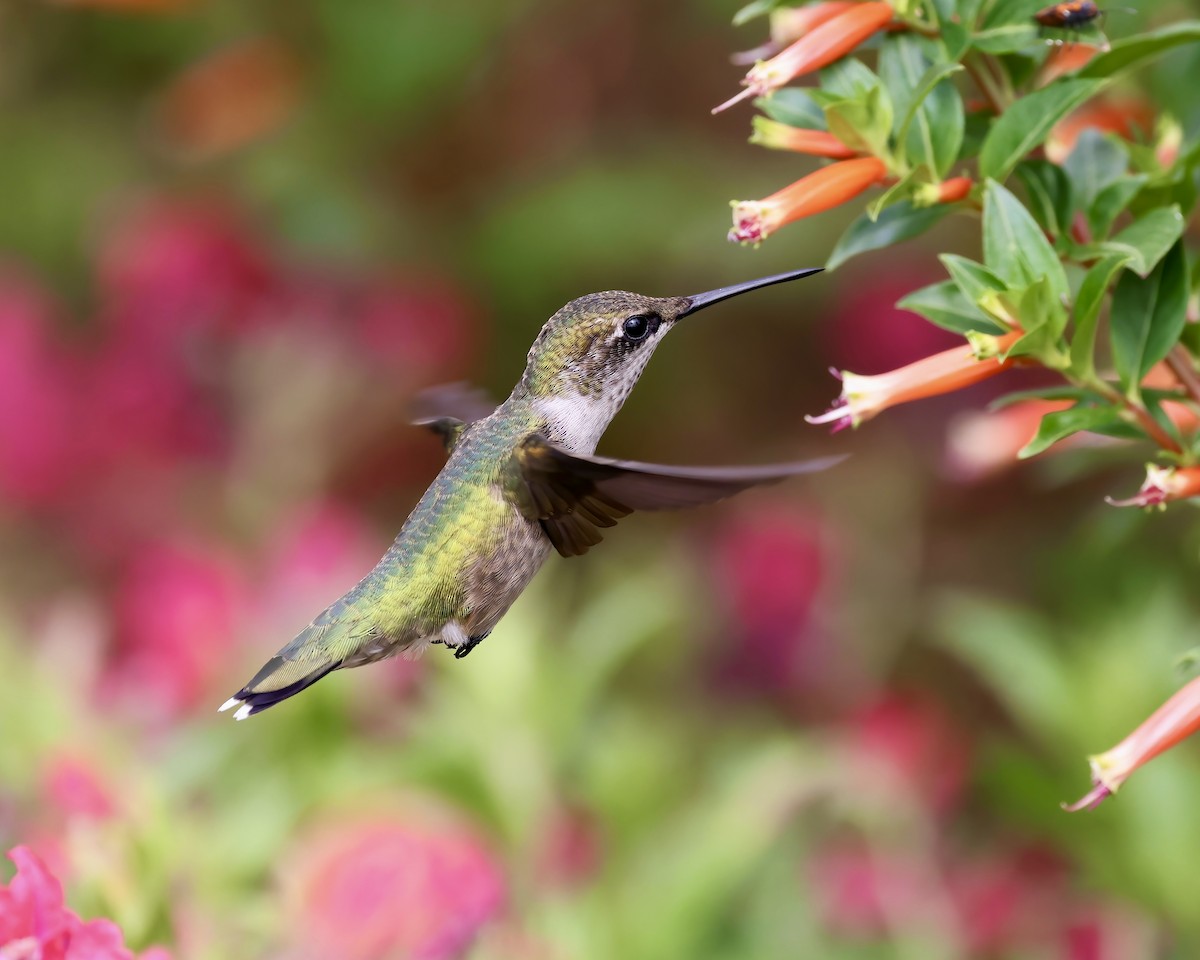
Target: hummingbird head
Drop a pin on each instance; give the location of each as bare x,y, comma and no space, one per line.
589,355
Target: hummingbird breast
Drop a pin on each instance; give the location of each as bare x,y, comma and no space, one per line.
465,553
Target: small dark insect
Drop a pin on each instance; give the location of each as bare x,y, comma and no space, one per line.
1068,16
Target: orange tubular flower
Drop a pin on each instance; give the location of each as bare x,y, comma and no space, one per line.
754,220
830,41
1124,116
789,24
1063,60
948,191
865,397
781,136
980,445
1162,485
1179,717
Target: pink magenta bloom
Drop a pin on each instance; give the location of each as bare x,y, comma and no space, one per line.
865,397
826,43
755,220
1162,485
35,923
1176,719
418,885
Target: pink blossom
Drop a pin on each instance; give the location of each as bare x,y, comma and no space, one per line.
177,611
418,885
171,268
36,924
37,411
425,329
75,788
769,568
869,332
916,742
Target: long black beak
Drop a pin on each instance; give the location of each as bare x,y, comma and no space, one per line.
701,300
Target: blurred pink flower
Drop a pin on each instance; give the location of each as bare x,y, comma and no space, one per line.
35,924
37,411
871,333
177,608
321,548
418,886
918,743
423,329
319,551
75,787
145,404
857,890
171,268
571,847
769,567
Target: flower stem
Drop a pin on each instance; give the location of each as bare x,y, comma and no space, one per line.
1180,362
985,84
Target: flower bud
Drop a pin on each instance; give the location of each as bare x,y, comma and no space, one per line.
781,136
948,191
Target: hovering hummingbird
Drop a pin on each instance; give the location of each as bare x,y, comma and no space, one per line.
521,480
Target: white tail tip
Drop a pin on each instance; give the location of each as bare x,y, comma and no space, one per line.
243,712
229,704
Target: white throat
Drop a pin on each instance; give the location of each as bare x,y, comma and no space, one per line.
577,421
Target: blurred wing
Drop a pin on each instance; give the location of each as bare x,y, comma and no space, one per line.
573,496
446,409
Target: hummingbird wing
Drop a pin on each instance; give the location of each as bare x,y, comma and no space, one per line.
448,408
574,496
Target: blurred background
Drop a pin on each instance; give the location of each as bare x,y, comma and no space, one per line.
830,719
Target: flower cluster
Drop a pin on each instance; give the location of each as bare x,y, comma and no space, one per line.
1085,194
36,924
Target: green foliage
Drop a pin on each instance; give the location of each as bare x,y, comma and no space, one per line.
1081,218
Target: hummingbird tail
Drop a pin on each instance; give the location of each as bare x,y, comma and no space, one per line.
279,679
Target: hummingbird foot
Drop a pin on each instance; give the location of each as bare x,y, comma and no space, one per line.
472,642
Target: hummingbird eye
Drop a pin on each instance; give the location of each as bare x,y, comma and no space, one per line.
637,327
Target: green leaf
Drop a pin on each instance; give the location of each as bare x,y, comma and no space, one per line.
1043,319
897,192
1146,241
754,10
849,79
1094,163
1050,198
1008,26
1014,247
1148,315
793,106
973,279
1009,38
1112,201
1059,392
956,40
931,131
1088,302
1133,51
1025,124
863,123
1063,423
894,225
944,305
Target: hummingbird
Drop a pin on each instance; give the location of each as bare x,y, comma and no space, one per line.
521,481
